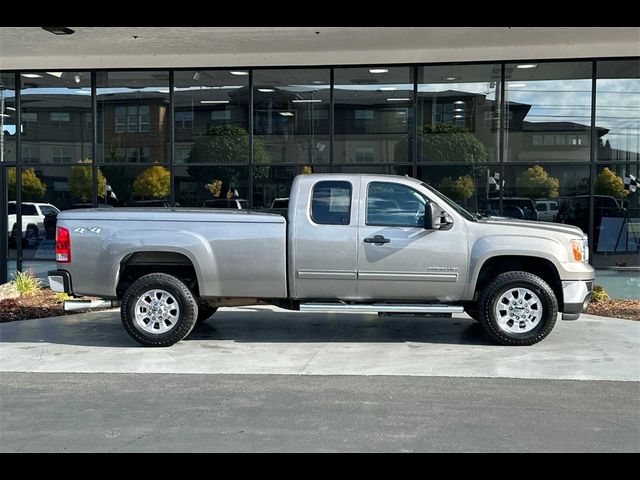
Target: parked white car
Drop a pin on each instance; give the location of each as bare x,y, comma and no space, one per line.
547,210
32,220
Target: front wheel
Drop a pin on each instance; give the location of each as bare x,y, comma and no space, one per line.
158,310
518,308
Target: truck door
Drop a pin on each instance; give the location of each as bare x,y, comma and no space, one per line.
397,257
325,240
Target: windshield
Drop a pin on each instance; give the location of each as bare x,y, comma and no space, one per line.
451,203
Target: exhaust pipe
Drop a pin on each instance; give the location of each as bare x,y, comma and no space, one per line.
73,305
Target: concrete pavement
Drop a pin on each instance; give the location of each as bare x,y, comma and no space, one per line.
267,340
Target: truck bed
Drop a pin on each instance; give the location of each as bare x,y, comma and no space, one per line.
235,253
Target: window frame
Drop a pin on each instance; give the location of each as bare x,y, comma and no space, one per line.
313,190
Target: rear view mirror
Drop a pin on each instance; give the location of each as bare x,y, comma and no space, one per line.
435,218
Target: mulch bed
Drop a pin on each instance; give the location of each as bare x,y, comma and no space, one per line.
38,305
627,309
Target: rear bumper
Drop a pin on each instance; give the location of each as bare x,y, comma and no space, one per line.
576,294
60,281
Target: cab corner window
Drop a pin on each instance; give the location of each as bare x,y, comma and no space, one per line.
331,203
394,205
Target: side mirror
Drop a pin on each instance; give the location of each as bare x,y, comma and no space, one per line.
435,218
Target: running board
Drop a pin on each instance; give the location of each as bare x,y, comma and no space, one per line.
379,308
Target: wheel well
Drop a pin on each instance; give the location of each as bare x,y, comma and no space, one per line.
139,264
538,266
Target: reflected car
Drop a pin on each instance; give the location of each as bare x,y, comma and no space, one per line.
521,208
33,222
575,211
547,210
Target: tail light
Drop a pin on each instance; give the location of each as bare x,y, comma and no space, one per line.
63,245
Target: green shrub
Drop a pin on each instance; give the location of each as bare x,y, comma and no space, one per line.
26,282
62,297
599,294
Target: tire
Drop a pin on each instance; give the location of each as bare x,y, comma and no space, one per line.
31,237
518,308
158,310
205,311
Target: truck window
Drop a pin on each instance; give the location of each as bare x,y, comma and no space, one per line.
331,203
392,204
29,209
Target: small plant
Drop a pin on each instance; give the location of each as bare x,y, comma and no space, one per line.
26,282
599,294
62,297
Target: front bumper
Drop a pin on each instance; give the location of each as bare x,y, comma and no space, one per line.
60,281
576,294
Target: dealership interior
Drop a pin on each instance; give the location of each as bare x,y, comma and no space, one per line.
550,140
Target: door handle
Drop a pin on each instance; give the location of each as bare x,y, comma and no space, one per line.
377,239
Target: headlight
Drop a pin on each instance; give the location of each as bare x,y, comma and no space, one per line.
580,249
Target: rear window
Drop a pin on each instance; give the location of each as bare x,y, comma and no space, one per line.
29,209
331,203
47,210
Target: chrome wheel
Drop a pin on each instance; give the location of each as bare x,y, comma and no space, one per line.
156,312
518,310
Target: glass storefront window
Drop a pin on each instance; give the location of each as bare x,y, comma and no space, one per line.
10,179
46,191
373,114
271,183
473,187
133,117
616,217
616,242
548,112
291,116
55,108
457,111
618,111
211,116
136,186
374,169
212,186
550,193
8,119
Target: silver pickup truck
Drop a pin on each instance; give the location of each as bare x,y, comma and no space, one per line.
350,243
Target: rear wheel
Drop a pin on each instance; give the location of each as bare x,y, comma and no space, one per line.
158,310
31,236
518,308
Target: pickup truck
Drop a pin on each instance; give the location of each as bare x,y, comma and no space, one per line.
350,243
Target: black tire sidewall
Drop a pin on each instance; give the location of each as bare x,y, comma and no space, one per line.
182,294
31,236
507,281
